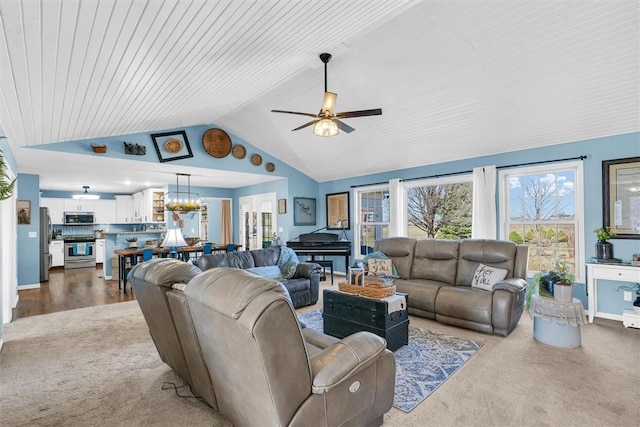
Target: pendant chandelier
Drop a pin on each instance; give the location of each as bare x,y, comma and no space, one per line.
182,202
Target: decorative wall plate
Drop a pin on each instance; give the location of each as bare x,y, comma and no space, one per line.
173,145
256,159
270,167
216,143
239,151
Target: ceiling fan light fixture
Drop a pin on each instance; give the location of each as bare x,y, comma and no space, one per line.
325,127
85,195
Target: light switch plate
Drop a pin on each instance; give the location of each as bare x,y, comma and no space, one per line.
33,234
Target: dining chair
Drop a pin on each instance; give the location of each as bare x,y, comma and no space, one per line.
207,248
231,247
147,254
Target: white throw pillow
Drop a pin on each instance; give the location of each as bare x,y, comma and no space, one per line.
380,267
485,277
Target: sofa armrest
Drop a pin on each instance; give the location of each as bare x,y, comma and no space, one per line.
345,357
515,285
306,269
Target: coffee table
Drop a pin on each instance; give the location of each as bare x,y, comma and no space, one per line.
344,314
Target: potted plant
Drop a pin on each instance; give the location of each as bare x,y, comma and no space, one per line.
604,249
133,242
555,283
6,186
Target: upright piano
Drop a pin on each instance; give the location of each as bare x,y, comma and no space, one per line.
321,244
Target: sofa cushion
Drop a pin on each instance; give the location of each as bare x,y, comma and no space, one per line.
485,277
422,293
435,259
297,285
266,257
400,251
465,304
375,256
288,262
270,272
493,253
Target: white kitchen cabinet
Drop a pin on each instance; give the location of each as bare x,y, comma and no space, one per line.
56,208
105,211
138,206
73,205
124,209
153,210
56,249
99,251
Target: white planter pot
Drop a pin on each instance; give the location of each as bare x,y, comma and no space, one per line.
563,293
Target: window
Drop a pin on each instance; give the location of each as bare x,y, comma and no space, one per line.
439,208
372,217
542,207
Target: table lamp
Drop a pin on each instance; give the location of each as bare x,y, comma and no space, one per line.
173,240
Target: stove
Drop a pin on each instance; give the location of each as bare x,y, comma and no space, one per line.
79,238
79,251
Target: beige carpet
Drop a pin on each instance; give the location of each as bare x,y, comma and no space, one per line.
97,366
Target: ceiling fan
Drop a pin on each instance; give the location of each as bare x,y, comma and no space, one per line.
326,122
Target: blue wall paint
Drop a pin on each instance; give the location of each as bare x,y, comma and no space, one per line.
29,247
596,150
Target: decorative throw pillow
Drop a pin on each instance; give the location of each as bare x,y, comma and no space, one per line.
380,267
381,255
269,272
288,262
485,277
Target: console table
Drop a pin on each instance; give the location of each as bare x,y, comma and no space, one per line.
620,272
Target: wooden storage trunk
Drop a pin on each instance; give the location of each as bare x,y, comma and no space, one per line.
344,314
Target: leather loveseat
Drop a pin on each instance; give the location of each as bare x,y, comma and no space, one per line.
437,275
236,337
303,286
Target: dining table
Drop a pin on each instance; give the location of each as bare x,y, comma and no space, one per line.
134,254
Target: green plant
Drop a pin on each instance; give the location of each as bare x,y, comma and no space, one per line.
604,233
6,187
560,272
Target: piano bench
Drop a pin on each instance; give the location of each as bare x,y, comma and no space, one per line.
324,264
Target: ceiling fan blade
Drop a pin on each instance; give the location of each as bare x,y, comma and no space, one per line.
294,112
305,125
329,102
343,126
361,113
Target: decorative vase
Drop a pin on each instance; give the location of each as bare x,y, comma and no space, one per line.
604,250
547,281
563,291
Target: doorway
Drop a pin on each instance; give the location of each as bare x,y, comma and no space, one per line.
257,219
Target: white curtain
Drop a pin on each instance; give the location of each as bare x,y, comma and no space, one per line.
398,222
484,203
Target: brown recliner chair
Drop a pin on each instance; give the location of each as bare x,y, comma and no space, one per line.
167,315
264,370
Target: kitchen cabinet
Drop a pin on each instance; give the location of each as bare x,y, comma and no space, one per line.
99,251
56,208
148,205
73,205
124,209
56,249
105,211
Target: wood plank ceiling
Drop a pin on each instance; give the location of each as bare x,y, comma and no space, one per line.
454,79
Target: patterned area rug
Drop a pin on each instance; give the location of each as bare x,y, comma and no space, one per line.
422,365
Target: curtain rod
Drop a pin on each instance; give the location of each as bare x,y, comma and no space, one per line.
470,171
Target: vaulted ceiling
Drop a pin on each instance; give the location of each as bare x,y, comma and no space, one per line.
454,79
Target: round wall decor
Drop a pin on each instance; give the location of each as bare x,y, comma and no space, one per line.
216,143
256,159
270,167
239,151
173,146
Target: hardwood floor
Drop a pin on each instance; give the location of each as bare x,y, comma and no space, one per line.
67,290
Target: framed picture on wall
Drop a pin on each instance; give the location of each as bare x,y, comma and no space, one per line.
171,146
282,206
338,211
621,204
304,211
23,209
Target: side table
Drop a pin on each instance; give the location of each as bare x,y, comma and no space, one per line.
557,323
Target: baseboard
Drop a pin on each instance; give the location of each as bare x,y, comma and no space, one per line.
34,286
1,342
609,316
107,277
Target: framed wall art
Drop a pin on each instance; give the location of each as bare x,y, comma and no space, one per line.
338,211
282,206
171,146
23,209
621,197
304,211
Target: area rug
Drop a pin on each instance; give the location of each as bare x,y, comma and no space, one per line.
422,365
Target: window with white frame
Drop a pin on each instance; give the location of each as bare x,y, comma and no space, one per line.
440,207
542,207
372,215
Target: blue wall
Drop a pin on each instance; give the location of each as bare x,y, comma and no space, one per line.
29,247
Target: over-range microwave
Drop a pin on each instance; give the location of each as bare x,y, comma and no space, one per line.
79,218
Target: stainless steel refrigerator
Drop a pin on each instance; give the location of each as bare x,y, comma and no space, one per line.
45,239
